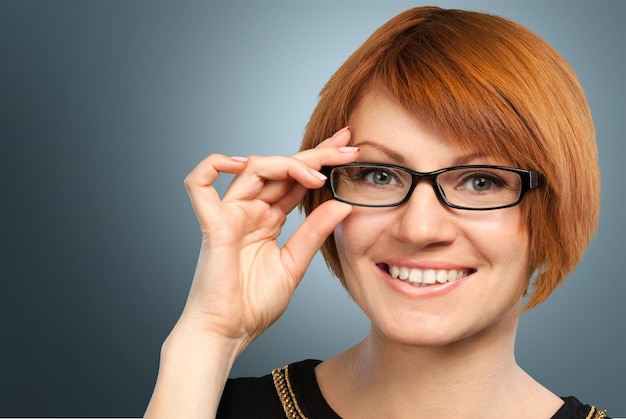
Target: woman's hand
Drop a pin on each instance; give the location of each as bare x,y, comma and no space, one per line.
244,280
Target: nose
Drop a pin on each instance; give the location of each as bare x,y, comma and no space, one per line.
425,221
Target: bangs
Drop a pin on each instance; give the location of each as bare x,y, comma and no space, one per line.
491,86
464,80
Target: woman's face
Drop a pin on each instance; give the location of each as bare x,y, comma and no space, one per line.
481,255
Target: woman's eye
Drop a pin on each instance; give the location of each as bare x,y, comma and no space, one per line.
379,177
481,182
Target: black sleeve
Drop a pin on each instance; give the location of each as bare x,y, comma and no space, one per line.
573,409
250,398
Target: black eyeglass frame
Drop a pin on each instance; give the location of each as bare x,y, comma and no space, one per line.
529,180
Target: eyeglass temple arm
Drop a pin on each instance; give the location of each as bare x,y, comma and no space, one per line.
533,179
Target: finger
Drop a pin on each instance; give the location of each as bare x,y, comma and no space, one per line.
338,139
205,173
268,178
204,198
278,191
303,168
299,250
286,195
291,199
332,151
275,190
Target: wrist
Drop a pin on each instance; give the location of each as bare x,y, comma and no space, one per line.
193,370
190,334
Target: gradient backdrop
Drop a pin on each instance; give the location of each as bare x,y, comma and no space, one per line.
105,106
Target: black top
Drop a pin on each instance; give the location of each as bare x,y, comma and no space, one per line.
258,398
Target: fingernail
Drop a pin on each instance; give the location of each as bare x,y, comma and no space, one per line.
317,174
239,159
348,149
344,129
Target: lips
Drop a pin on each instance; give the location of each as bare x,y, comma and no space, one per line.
425,277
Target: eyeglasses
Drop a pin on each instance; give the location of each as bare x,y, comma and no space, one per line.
475,187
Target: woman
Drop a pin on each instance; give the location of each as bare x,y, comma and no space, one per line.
463,159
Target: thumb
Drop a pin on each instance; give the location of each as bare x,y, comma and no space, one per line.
299,250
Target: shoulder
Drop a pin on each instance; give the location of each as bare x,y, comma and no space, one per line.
249,397
258,396
573,409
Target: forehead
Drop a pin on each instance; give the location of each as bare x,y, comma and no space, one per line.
386,131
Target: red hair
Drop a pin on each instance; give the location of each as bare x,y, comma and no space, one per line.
489,83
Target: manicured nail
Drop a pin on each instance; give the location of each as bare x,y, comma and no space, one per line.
344,129
317,174
239,159
348,149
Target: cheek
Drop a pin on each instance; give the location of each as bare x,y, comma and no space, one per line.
356,234
344,240
354,239
346,259
501,229
503,240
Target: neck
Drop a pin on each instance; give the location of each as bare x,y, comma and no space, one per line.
464,371
472,377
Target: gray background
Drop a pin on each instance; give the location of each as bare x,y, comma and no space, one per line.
105,106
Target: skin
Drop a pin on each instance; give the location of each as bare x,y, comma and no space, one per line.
443,350
228,308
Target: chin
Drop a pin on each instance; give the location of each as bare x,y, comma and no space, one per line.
430,331
426,334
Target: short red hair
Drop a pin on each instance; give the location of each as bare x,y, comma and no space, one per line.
485,82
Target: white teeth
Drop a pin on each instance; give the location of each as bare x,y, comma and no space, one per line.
452,275
426,276
442,276
429,277
415,276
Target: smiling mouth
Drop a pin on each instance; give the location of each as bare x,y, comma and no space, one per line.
426,277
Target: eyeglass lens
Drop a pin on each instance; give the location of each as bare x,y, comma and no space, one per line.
475,187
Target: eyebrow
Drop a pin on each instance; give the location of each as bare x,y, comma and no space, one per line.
394,155
398,157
